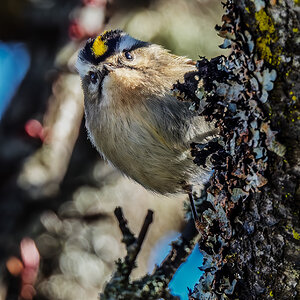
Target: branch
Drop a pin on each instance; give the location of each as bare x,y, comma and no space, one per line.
148,220
133,245
128,236
152,286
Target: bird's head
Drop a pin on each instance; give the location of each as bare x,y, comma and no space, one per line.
118,67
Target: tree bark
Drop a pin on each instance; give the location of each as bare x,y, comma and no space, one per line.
251,243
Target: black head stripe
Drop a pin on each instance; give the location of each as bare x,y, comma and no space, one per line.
112,35
115,40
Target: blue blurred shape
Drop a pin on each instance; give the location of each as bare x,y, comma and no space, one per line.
14,64
187,274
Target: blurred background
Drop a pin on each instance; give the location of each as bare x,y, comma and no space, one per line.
54,187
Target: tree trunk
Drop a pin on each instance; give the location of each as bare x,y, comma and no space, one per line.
251,242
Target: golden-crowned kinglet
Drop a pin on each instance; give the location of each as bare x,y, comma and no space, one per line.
132,117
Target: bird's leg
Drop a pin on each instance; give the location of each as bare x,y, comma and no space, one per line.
188,189
194,212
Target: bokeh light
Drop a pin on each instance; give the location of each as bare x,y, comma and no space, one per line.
14,64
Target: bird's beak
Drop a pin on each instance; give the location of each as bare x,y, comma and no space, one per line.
105,71
109,67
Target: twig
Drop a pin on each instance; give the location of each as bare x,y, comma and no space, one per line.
152,286
133,245
128,236
148,220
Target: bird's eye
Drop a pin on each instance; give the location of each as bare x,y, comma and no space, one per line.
93,77
128,55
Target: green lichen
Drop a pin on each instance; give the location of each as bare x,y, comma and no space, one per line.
296,235
265,23
267,38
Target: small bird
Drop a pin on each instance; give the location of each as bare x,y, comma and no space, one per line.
132,117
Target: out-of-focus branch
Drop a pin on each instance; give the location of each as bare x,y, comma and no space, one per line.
43,172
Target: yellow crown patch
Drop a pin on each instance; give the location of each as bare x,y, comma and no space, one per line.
99,47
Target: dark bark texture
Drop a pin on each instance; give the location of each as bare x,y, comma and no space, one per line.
251,229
